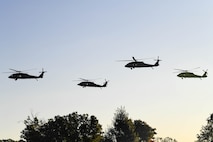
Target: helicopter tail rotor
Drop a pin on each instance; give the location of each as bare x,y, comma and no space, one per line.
42,73
158,59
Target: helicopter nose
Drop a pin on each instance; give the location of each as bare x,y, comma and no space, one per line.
127,65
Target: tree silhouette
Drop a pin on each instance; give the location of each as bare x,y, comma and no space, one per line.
206,134
124,130
32,131
72,128
144,131
167,139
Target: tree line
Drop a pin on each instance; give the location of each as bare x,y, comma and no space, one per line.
84,128
76,127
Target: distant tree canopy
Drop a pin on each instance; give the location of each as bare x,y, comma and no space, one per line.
126,130
167,139
206,133
72,128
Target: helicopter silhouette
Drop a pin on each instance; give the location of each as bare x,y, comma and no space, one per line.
187,74
21,75
87,83
139,64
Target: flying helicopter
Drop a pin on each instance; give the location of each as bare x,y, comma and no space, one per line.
20,75
139,64
188,74
87,83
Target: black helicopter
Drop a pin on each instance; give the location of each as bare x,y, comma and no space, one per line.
187,74
139,64
21,75
87,83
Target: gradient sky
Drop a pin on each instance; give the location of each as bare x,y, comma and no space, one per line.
83,39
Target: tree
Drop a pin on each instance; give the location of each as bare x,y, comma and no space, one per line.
167,139
144,131
110,135
206,134
123,128
32,131
72,128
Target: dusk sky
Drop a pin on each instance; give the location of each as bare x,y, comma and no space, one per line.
84,39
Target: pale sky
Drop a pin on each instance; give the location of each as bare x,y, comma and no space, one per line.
84,39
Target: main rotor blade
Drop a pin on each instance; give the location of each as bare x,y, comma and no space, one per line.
15,70
124,60
29,70
23,70
181,70
7,72
134,59
88,79
195,68
83,79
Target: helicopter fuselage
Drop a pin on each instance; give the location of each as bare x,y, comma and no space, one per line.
191,75
16,76
137,64
91,84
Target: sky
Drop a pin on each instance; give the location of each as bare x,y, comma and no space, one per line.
84,39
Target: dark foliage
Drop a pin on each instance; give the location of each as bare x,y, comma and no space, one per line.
72,128
144,131
125,130
206,133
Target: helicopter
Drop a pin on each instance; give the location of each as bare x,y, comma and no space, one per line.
187,74
87,83
21,75
138,64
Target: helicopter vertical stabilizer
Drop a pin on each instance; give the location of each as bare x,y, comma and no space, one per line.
105,84
42,74
157,62
205,74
